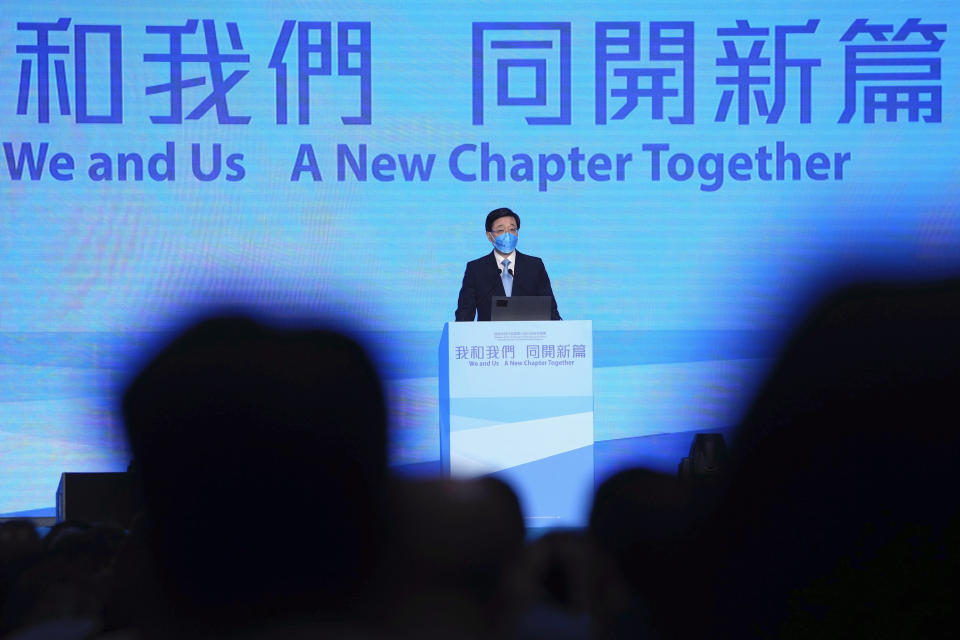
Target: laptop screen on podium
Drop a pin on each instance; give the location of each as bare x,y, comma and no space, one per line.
503,308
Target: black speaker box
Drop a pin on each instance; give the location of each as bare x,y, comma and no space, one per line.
96,498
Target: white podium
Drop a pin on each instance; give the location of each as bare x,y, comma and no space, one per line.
516,401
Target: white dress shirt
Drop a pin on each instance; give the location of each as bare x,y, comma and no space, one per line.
512,257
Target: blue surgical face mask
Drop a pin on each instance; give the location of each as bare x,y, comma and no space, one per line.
506,242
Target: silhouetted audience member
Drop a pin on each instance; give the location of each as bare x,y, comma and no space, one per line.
20,547
135,594
557,579
262,455
842,516
62,592
640,524
455,556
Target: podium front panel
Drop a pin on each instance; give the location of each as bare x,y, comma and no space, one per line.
516,402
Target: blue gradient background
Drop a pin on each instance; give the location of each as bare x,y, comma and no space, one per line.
689,291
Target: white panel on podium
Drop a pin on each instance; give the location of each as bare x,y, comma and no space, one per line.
516,401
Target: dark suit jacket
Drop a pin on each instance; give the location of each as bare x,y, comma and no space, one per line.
481,281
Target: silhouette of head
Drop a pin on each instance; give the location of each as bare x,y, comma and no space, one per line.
262,456
841,499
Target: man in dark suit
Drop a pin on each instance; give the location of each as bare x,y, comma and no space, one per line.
503,272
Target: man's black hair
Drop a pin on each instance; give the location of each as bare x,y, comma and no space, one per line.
500,213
